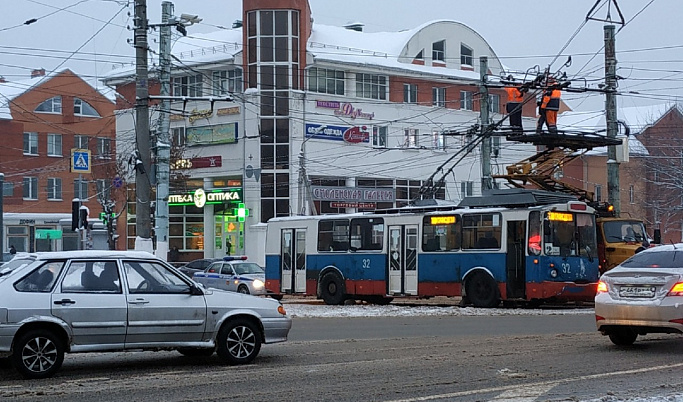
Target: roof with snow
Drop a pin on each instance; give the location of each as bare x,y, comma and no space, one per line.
338,45
637,118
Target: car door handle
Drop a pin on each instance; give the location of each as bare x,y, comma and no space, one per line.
65,301
138,301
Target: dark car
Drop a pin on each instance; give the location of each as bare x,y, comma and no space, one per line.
197,266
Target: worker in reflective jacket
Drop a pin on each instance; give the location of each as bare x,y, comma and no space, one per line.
514,107
548,107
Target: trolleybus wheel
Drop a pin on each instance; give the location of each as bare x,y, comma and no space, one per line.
482,290
332,289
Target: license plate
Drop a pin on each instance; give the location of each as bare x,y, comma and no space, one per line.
637,291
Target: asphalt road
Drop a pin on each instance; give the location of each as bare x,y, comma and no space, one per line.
499,358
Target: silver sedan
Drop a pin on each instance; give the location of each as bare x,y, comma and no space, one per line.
642,295
108,301
234,274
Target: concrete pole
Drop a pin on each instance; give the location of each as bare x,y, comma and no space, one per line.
143,219
163,139
613,190
486,181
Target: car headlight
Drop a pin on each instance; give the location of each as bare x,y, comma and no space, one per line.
553,273
258,284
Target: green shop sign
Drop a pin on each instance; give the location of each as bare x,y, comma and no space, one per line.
201,197
48,234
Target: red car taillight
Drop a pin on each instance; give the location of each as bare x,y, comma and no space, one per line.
602,287
676,290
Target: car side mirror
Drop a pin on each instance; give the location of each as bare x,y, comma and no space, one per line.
195,291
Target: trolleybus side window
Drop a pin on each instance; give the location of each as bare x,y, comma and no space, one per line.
367,234
481,231
441,233
333,235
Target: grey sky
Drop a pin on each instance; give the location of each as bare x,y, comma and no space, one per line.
523,33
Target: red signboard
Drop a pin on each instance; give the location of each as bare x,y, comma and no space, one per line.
207,162
356,135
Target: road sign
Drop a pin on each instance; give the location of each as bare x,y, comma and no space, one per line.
48,234
118,182
80,160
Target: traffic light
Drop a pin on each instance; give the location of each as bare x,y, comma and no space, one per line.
241,212
75,215
83,222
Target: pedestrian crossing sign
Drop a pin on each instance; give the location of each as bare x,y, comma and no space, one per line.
80,160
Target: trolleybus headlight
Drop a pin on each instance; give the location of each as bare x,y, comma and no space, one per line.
553,273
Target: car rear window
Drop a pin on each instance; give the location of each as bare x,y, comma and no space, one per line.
661,259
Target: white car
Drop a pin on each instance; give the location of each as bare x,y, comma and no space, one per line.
235,274
110,301
642,295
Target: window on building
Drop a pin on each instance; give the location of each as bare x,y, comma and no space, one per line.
178,137
379,136
439,96
409,93
439,51
326,81
494,103
420,55
81,141
438,140
8,189
104,148
631,195
409,190
30,188
411,139
598,192
189,85
30,143
52,105
54,188
466,188
17,236
371,86
274,195
226,82
83,108
54,145
466,100
466,55
103,189
81,189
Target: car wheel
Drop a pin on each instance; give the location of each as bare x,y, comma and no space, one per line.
196,352
482,290
623,336
332,289
38,354
243,289
239,342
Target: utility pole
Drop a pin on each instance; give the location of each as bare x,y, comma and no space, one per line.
143,219
613,195
163,140
486,181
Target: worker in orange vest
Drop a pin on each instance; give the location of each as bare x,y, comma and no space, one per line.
514,107
548,107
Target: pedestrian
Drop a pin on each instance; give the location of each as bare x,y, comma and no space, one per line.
549,107
174,254
514,106
12,249
228,246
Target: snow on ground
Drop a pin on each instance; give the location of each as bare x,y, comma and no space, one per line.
370,310
667,398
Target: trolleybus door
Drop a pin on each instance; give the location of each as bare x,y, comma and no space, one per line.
293,261
516,267
403,259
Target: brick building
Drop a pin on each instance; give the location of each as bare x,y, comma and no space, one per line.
41,120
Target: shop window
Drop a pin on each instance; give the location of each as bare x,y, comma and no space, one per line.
17,236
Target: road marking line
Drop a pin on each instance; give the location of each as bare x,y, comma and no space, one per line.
537,384
526,394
